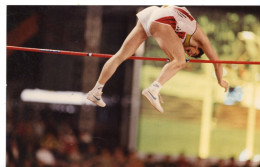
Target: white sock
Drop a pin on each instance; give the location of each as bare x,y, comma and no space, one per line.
98,87
155,86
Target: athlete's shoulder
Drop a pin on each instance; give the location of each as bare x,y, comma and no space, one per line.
200,36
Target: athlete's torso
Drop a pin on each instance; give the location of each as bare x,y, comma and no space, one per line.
181,21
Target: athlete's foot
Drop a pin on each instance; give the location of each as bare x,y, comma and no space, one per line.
96,98
153,98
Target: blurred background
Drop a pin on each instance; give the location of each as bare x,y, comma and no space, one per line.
201,126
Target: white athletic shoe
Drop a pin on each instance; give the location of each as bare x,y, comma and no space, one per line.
153,98
96,98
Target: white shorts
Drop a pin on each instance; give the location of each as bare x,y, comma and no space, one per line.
178,18
148,15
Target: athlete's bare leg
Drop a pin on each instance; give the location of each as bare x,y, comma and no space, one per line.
171,44
129,47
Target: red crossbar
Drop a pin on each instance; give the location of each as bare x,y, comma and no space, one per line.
62,52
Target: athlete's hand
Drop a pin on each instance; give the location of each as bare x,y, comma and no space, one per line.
224,84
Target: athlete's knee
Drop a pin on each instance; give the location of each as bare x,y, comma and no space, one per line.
179,64
119,57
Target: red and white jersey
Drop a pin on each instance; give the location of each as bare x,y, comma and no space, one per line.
179,18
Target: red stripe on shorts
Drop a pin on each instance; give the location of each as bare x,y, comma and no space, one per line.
185,13
170,20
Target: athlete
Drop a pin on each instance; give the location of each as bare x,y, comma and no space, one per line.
177,33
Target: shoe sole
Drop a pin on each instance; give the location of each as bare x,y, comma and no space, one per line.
94,101
147,98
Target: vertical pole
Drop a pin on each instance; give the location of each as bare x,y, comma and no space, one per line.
251,116
90,68
207,110
252,50
135,99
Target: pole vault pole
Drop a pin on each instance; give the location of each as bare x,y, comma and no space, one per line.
73,53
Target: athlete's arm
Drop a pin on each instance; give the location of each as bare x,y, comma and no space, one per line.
212,55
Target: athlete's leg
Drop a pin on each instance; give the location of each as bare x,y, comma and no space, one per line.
130,45
170,43
128,48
